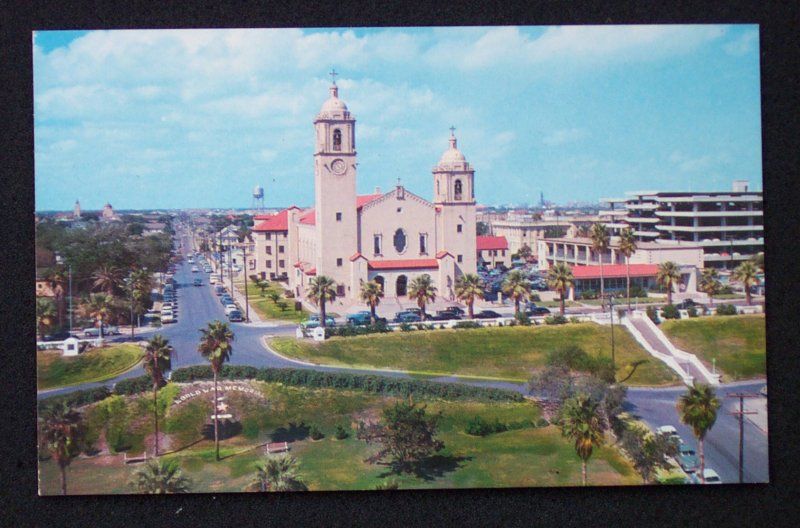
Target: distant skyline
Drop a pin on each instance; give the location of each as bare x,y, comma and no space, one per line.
149,119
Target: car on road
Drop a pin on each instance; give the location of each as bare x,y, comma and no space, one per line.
407,317
167,318
710,476
687,458
453,309
225,299
487,314
95,332
444,315
212,279
195,269
363,318
235,316
671,433
219,289
533,310
230,308
686,304
198,281
57,336
313,321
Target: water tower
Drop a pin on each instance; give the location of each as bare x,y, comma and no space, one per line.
258,198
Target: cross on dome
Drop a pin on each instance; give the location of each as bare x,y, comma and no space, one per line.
452,137
333,75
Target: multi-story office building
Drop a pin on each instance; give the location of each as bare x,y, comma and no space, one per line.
728,225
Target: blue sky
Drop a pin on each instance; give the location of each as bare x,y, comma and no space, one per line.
196,118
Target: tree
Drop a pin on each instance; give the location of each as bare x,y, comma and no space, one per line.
627,246
746,274
279,473
371,293
580,421
57,279
600,240
321,290
560,279
157,360
482,228
668,276
61,432
517,287
709,283
262,285
758,260
524,252
273,296
216,348
99,307
107,279
648,452
468,288
406,435
423,291
159,477
45,315
698,409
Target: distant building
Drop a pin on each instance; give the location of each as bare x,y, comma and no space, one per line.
108,214
76,211
493,251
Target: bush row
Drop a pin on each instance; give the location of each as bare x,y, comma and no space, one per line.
479,426
351,330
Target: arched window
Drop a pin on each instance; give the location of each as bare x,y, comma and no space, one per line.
337,139
380,282
458,189
401,286
400,240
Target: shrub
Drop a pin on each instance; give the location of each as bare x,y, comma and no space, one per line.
555,320
315,433
588,294
692,311
522,319
75,399
133,385
467,324
726,309
572,357
670,312
542,422
406,327
652,313
341,433
478,426
574,319
638,291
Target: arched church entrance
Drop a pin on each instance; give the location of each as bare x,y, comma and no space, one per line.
402,285
381,282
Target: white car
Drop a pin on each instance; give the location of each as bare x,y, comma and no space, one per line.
230,308
167,318
710,476
212,279
670,432
195,269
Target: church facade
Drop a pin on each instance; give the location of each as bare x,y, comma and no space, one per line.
390,237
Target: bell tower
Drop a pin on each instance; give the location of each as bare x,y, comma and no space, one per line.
454,197
335,186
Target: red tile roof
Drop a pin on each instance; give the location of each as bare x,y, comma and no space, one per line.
403,264
492,242
614,271
310,218
276,222
443,254
357,256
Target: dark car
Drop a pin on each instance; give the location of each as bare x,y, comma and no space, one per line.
407,317
235,316
487,314
686,304
226,299
537,310
444,315
57,336
453,309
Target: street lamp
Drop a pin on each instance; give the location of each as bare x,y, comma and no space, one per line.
129,283
610,298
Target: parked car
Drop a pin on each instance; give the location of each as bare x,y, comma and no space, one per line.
195,269
710,476
444,315
235,316
763,391
670,432
454,309
212,279
687,458
313,321
487,314
95,332
219,289
363,318
57,336
686,304
226,299
230,308
167,318
534,310
407,317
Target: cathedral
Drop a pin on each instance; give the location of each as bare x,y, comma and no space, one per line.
390,238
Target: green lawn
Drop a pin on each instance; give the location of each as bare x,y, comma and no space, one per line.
508,353
523,457
54,370
268,309
737,342
623,301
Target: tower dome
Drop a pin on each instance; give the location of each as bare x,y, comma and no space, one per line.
452,154
333,104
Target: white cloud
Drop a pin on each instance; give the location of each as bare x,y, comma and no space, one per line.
705,162
564,135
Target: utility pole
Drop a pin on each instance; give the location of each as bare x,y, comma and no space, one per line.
740,414
230,265
69,268
246,296
610,298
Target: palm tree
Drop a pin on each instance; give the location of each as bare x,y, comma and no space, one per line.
468,288
668,276
157,360
371,293
107,279
758,260
627,246
600,241
320,291
279,473
423,290
215,347
60,428
45,315
99,307
746,273
57,278
160,476
580,421
698,409
516,286
709,283
560,279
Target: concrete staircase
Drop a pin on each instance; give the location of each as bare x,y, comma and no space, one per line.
686,365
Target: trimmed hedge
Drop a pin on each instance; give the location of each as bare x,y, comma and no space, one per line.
75,399
726,309
670,311
135,385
